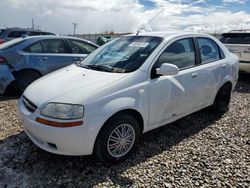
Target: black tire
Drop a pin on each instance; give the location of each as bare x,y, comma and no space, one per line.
25,78
101,150
222,99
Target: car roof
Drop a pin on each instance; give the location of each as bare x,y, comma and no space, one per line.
24,29
170,34
56,37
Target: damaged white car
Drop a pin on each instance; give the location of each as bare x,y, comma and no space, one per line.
127,87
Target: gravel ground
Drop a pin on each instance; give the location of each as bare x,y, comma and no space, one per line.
200,150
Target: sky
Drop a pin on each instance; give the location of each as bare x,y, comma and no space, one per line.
97,16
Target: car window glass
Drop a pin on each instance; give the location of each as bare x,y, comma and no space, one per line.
34,48
53,46
16,34
209,50
123,55
180,53
80,47
235,38
34,33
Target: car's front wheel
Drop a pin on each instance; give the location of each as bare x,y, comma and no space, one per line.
117,139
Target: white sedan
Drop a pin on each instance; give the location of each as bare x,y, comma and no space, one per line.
103,104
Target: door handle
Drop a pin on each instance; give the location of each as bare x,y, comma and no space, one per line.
78,58
43,58
224,66
194,75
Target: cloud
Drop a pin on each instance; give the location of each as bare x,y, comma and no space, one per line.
122,15
235,1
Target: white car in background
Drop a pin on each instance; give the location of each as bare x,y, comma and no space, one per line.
238,42
125,88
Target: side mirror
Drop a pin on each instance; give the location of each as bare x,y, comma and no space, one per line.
167,69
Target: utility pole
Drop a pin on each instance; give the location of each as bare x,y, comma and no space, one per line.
33,25
74,25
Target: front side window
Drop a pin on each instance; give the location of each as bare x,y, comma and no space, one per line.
209,50
80,47
123,55
53,46
180,53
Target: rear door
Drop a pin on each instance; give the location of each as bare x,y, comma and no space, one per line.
214,68
79,49
49,54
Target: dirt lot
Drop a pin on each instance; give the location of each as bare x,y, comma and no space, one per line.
201,150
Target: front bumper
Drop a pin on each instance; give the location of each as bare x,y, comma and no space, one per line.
77,140
245,67
6,77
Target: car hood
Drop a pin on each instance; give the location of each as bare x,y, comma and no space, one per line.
72,84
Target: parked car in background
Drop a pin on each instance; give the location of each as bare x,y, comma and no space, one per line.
125,88
103,40
23,60
238,42
15,32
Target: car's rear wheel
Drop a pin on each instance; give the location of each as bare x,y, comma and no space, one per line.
222,99
25,78
117,139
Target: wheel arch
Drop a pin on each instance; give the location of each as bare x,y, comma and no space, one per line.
134,113
15,73
229,83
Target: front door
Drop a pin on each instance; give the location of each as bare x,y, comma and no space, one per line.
175,96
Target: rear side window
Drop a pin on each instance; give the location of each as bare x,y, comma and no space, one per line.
34,48
209,50
80,47
235,38
16,34
180,53
53,46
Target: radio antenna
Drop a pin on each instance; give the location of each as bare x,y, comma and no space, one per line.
139,30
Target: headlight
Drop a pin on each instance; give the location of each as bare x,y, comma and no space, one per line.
63,111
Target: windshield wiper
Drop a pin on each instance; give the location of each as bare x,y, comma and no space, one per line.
100,67
79,64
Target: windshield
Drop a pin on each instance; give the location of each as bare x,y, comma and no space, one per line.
123,55
10,44
235,38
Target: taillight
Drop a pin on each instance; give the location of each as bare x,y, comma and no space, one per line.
2,41
2,59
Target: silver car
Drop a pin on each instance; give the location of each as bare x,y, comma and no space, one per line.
24,60
238,42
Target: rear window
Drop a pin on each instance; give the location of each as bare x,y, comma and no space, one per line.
235,38
11,44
